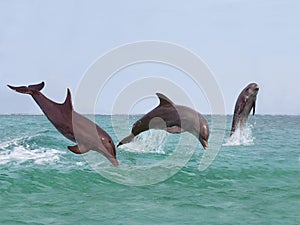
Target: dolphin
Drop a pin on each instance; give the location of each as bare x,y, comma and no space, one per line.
244,104
77,128
172,118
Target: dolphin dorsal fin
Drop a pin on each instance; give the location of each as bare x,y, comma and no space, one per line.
164,100
68,101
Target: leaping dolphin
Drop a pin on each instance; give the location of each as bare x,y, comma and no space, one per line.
245,102
88,135
172,118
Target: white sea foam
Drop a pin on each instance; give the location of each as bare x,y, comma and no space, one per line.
147,142
21,155
241,137
16,152
13,142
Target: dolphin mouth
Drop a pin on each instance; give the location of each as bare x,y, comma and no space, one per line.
120,143
205,144
114,162
126,140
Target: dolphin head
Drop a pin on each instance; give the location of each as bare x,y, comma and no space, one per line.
107,148
252,90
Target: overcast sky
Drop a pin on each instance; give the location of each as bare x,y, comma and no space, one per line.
240,41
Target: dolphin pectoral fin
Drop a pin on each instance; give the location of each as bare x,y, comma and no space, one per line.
174,129
253,108
78,150
126,140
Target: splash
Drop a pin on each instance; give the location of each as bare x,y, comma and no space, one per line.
241,137
151,141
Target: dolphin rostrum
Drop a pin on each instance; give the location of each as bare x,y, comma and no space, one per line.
75,127
245,102
172,118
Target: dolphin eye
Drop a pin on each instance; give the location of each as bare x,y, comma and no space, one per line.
109,141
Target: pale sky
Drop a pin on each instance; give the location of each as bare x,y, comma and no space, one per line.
240,41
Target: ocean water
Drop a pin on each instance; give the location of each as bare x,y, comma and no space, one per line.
254,179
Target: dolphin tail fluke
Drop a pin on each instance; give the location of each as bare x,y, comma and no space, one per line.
28,90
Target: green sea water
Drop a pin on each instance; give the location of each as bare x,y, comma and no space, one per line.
253,180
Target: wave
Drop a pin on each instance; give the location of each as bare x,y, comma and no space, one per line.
241,137
151,141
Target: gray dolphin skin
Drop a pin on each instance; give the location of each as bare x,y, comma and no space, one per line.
244,104
87,135
173,119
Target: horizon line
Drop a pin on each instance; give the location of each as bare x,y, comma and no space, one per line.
137,114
